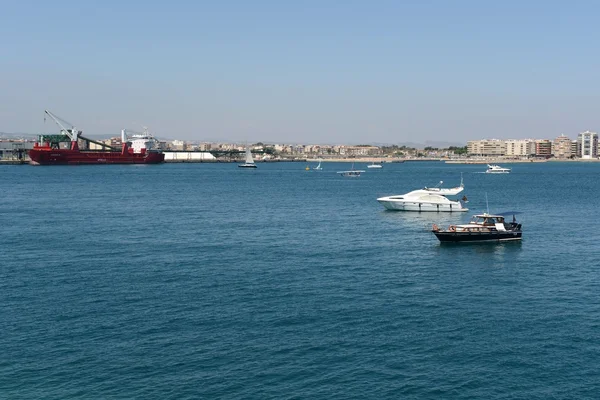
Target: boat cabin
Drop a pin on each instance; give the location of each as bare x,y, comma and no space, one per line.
487,219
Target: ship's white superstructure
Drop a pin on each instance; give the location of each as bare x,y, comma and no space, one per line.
140,142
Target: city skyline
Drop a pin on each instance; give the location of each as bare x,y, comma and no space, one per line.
352,72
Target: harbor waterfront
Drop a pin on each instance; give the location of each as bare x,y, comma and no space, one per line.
191,280
204,157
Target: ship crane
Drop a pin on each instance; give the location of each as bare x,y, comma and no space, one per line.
72,133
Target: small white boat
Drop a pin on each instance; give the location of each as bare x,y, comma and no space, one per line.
496,169
318,167
353,173
373,165
426,199
249,163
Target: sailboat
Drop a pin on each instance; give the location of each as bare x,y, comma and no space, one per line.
318,167
353,173
373,165
249,161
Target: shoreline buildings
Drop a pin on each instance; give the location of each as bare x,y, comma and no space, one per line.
585,146
562,147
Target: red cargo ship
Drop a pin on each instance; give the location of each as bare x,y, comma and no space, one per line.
137,151
47,155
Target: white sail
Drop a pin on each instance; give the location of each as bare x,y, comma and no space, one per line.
249,159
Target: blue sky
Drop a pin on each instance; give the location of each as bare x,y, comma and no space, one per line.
303,71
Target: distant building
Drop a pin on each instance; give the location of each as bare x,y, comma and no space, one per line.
520,148
491,147
204,146
178,145
115,142
543,148
587,145
562,147
354,151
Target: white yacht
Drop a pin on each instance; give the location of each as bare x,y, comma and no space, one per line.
426,199
496,169
373,165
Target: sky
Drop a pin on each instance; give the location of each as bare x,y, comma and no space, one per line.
322,71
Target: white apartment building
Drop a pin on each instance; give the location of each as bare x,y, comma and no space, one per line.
488,147
520,147
561,147
587,145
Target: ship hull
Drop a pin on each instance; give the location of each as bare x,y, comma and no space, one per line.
49,156
472,237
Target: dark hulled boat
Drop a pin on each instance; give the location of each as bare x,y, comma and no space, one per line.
482,228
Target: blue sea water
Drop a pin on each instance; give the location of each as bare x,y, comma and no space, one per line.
209,281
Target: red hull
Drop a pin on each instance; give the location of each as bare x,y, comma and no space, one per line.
44,155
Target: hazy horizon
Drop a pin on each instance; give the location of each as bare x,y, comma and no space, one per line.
312,72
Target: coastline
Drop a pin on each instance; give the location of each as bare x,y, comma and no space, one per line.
362,160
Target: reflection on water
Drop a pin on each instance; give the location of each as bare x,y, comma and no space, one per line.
488,247
492,254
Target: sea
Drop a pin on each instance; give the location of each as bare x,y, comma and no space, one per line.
209,281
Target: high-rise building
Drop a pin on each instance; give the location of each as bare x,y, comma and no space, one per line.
575,151
543,148
561,147
520,147
587,144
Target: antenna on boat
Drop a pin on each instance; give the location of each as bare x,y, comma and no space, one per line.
461,180
487,206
